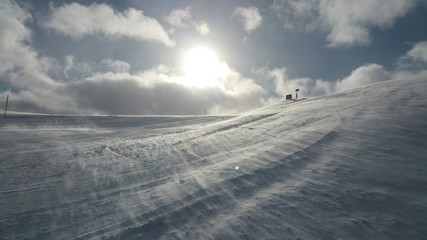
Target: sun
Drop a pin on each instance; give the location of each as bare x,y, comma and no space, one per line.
202,67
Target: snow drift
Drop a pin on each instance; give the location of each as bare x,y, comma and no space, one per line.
351,165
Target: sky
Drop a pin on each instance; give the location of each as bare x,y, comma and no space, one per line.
195,57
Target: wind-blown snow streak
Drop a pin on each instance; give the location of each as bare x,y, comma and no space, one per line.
345,166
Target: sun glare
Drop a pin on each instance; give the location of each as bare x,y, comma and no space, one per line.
202,67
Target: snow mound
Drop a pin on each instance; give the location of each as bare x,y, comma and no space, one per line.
350,165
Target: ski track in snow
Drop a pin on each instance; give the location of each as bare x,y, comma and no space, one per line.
350,165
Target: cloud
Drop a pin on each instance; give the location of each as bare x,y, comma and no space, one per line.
347,23
412,63
179,18
40,84
350,21
72,69
14,35
361,76
203,29
297,14
111,65
107,86
418,53
364,75
249,16
164,90
77,20
276,76
21,67
161,90
182,18
37,93
283,85
415,58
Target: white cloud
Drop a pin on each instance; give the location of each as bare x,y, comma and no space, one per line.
350,20
107,86
182,18
13,37
164,90
364,75
77,20
276,76
297,14
203,29
416,57
179,18
21,67
418,53
347,22
413,63
111,65
361,76
249,16
35,92
283,85
161,90
75,70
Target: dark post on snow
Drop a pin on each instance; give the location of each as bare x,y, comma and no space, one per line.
296,93
5,108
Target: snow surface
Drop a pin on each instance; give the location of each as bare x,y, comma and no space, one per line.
351,165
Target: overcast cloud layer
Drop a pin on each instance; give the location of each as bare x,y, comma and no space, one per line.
37,82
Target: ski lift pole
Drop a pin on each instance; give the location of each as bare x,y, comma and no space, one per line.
7,102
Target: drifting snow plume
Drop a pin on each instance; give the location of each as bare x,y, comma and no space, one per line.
349,165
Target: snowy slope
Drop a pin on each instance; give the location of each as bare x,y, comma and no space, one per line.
351,165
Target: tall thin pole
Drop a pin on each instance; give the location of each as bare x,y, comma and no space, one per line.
7,102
